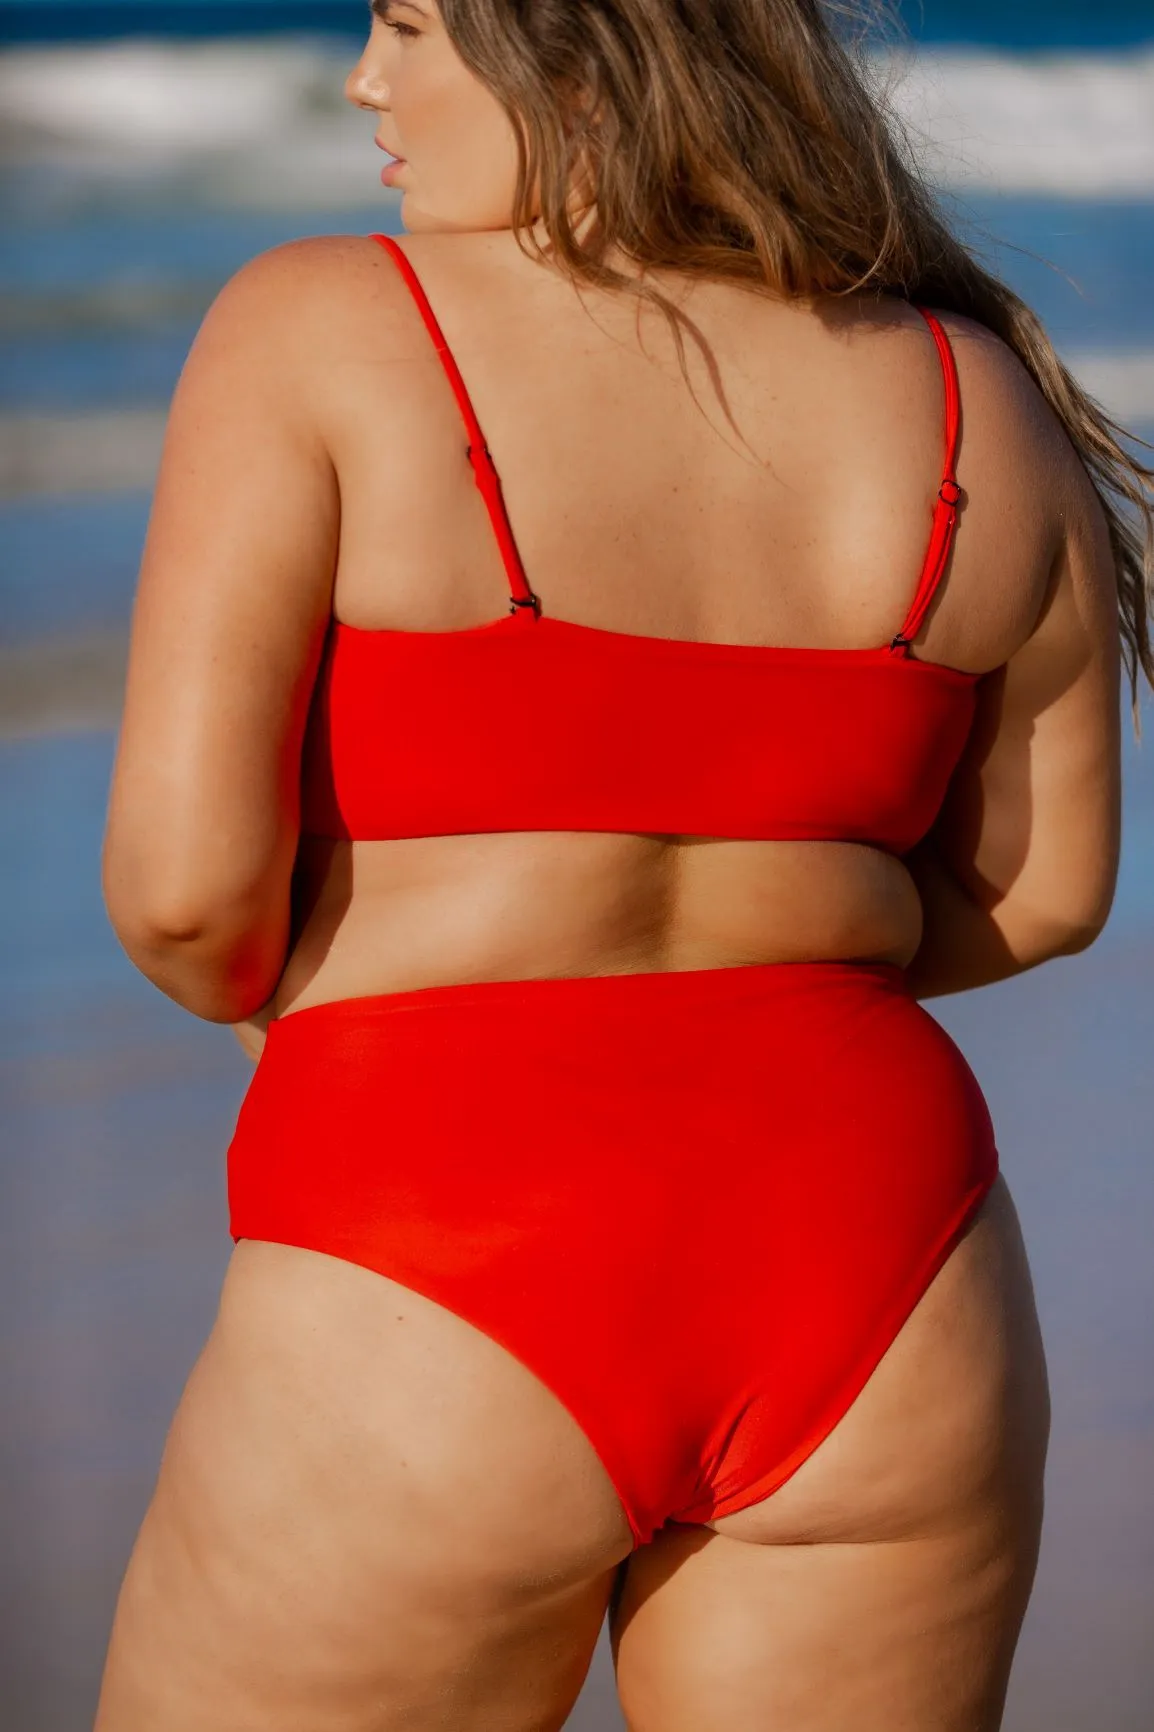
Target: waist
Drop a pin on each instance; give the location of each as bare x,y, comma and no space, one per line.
399,916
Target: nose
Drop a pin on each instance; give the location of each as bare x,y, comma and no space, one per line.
365,87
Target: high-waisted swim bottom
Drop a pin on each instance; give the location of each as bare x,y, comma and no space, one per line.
698,1206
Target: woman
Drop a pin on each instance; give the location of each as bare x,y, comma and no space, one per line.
614,1228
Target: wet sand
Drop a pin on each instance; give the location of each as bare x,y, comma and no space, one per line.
117,1109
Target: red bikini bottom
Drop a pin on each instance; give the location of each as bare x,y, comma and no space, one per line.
698,1206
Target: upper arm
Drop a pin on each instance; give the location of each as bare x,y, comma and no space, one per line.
231,610
1031,827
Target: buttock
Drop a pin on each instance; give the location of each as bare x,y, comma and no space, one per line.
699,1206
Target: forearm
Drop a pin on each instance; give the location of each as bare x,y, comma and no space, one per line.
966,944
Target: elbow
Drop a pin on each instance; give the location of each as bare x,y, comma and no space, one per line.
1043,935
220,959
1086,918
1081,935
215,975
168,923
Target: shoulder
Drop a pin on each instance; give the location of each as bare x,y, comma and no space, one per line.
1012,443
305,277
300,297
997,386
294,324
1005,408
1065,487
315,265
1018,439
997,389
1018,435
1010,425
320,272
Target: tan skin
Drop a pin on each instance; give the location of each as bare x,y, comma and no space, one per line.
369,1516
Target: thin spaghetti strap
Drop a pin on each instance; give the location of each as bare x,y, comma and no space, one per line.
484,469
948,500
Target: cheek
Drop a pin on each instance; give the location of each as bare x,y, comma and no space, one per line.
464,164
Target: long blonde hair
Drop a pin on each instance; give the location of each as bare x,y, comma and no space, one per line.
744,139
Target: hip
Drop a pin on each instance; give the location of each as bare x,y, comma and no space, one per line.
547,1099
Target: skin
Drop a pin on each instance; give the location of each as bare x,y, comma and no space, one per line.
368,1515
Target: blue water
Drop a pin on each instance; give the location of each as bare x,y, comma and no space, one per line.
68,564
1023,24
1086,266
55,941
67,348
126,242
94,369
1031,23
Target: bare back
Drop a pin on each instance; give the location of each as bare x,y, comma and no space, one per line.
784,499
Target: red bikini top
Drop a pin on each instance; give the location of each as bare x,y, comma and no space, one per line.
535,723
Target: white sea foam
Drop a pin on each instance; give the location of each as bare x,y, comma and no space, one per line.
262,123
1072,125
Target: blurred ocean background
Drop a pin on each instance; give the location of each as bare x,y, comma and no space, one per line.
146,151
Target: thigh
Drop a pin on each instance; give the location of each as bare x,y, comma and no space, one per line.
368,1516
882,1588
